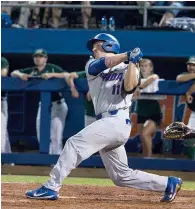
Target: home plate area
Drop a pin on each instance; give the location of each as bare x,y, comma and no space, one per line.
93,197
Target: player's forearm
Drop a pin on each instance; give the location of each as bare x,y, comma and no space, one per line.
61,75
16,73
70,80
115,60
165,17
131,79
149,80
185,77
191,90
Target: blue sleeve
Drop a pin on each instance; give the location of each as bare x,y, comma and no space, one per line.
97,66
176,4
167,3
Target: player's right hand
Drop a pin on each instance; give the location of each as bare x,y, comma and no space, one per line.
74,93
24,77
135,56
70,82
189,98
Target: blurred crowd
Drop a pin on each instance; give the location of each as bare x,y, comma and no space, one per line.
35,17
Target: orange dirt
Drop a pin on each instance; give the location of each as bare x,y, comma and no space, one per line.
93,197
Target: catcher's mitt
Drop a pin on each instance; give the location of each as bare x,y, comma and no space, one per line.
178,130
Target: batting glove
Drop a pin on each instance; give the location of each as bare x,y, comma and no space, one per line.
135,56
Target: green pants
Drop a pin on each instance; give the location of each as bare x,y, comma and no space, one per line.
191,153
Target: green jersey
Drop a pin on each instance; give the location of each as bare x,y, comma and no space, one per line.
81,74
89,109
4,63
49,68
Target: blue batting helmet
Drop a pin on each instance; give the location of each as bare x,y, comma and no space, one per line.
110,44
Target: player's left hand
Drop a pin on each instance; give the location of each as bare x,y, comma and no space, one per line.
135,56
47,76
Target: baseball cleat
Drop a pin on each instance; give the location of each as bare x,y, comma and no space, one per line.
173,187
42,193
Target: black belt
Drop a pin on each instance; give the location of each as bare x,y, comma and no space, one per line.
59,102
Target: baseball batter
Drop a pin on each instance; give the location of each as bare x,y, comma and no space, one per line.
111,84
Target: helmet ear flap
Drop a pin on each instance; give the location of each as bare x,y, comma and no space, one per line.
109,46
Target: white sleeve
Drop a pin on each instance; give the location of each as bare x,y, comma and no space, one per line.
137,73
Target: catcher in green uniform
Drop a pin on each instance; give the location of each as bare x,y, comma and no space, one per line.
59,109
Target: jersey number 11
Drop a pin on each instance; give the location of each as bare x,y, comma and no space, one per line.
116,89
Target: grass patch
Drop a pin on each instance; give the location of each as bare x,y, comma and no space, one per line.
69,180
189,185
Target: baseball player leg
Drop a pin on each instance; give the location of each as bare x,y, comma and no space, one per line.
58,117
116,164
191,122
89,120
5,144
100,134
38,123
3,133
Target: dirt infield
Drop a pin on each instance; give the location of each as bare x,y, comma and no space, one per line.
93,197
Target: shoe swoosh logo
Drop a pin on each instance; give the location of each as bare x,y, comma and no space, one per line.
40,194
